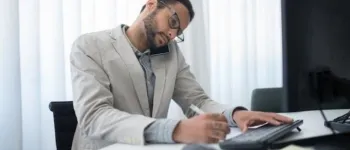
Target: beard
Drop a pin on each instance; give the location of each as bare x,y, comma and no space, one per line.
151,29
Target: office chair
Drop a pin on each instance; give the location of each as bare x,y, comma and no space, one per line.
65,123
267,100
270,100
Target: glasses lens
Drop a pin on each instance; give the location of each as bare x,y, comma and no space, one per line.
174,22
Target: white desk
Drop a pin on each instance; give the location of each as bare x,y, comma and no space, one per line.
313,126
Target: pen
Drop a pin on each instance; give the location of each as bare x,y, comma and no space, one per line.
196,109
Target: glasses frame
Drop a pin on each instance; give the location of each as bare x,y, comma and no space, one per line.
180,36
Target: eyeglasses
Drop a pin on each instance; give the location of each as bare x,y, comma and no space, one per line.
174,23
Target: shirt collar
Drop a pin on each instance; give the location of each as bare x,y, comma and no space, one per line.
157,51
124,28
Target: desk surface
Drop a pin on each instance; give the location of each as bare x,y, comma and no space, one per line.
313,126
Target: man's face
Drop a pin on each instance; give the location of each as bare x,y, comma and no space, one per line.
163,25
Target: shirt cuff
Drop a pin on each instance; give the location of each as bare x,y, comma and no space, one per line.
161,131
229,115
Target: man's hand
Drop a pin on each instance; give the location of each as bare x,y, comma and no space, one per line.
206,128
245,119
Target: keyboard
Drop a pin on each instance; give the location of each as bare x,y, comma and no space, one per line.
260,138
340,124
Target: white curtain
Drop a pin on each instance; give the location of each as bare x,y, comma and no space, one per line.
233,46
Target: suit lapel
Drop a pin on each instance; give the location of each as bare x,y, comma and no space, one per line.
136,72
158,67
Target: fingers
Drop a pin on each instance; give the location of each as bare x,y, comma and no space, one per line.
280,118
268,119
211,140
244,128
216,134
215,125
217,130
216,117
258,118
219,126
245,125
273,118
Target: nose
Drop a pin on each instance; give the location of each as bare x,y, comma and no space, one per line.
172,34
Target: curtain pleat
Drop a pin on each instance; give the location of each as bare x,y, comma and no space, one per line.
10,77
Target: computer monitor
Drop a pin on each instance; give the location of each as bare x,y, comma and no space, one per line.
315,33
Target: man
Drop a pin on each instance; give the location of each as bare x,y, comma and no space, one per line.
123,80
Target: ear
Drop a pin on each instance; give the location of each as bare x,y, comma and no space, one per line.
151,5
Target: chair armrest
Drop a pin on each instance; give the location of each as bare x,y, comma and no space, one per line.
65,123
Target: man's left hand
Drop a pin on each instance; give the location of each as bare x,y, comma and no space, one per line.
245,119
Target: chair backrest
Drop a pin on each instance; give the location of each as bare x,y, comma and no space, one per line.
65,123
267,99
271,100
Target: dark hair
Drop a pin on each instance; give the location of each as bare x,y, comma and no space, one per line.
186,3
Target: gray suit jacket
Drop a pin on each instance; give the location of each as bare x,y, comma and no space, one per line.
109,90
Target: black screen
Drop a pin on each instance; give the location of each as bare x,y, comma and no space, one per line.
315,33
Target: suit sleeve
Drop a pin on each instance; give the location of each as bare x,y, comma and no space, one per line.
188,91
93,100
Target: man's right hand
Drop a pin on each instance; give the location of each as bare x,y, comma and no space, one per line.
206,128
